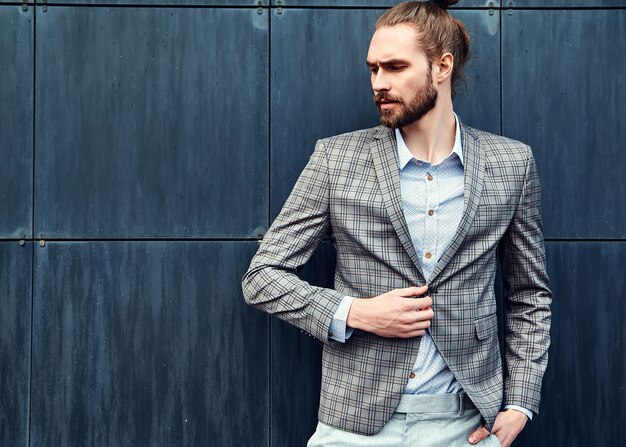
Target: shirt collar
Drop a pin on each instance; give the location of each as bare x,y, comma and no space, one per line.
405,155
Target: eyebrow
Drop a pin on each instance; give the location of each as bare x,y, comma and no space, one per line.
387,63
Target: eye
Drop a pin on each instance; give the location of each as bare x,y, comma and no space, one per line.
396,67
373,70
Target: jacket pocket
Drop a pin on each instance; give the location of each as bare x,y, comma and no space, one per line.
486,326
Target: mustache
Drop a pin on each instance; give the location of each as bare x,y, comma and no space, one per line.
384,96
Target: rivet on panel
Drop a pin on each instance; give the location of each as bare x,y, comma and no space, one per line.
259,7
44,5
510,5
42,243
491,10
280,7
22,239
24,5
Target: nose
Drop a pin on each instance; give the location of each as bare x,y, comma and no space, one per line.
380,82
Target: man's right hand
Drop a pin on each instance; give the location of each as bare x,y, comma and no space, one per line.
396,313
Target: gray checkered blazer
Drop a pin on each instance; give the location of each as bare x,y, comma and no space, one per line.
350,190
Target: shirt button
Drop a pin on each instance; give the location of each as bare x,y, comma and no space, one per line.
430,177
428,255
412,375
431,212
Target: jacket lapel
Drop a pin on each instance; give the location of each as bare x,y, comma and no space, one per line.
474,169
385,157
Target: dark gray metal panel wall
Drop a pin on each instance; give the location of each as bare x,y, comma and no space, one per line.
130,134
564,93
224,3
147,343
478,99
150,342
376,3
15,320
310,99
585,386
328,92
16,121
563,3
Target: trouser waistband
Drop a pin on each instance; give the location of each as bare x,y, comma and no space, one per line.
435,403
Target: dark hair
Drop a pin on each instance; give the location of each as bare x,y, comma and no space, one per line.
437,31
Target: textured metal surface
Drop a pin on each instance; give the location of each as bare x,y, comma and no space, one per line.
15,305
561,98
328,92
224,3
151,122
320,86
376,3
478,100
296,363
150,344
16,121
563,3
584,397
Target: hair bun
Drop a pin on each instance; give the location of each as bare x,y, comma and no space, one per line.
444,4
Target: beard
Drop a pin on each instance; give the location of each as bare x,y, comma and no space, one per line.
404,114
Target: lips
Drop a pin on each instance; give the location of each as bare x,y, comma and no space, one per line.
385,101
387,104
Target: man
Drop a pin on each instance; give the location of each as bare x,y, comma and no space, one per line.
417,210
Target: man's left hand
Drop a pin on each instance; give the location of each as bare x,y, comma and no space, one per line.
509,423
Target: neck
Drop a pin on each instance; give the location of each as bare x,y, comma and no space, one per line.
431,138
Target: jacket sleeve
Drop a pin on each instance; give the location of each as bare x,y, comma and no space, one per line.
271,283
527,297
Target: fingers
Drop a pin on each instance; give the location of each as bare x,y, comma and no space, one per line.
392,314
411,291
422,315
417,325
416,304
422,303
410,317
417,328
411,334
478,435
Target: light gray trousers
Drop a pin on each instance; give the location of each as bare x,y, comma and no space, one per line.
443,420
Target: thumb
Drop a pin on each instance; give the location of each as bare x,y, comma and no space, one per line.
478,435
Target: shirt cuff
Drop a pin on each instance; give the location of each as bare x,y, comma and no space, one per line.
339,330
522,409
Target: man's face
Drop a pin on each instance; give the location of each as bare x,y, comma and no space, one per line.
401,76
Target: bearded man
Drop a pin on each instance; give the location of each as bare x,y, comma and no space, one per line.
419,210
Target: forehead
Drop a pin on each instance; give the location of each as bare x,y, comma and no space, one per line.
394,42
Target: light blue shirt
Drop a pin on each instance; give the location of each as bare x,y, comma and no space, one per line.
432,201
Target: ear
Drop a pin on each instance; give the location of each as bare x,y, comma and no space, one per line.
443,68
